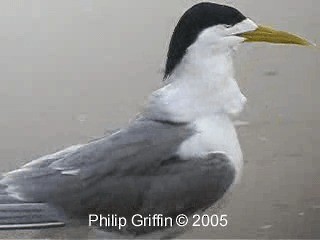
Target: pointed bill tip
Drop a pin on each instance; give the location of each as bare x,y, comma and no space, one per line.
270,35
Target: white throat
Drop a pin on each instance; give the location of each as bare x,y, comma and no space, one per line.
203,92
202,85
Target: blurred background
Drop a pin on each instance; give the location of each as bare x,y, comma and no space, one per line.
72,70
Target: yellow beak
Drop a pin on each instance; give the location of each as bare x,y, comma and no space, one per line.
269,35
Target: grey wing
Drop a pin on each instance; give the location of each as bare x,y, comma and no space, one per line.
78,178
176,186
186,187
133,171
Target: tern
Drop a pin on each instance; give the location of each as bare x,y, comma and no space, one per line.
181,155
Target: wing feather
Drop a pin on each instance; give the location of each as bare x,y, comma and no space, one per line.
135,170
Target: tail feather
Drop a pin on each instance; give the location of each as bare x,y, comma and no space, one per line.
29,216
18,214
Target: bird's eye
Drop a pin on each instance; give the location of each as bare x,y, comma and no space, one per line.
227,26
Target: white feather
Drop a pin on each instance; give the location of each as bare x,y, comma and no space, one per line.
203,83
71,172
214,134
202,90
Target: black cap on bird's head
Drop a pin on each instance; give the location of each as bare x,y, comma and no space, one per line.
192,23
229,22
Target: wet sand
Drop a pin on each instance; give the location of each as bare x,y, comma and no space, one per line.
71,71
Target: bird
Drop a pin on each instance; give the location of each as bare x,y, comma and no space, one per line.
180,155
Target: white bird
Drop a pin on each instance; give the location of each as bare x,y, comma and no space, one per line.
180,156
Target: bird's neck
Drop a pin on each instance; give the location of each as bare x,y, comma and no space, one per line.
202,67
202,85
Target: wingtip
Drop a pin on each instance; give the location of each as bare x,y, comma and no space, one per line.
32,226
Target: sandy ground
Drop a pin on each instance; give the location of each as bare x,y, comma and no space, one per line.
72,70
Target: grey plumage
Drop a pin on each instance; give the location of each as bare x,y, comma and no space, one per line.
135,170
179,157
29,215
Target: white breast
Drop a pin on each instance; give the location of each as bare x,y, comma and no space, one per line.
203,92
214,134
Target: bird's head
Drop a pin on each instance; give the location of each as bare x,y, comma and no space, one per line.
212,27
